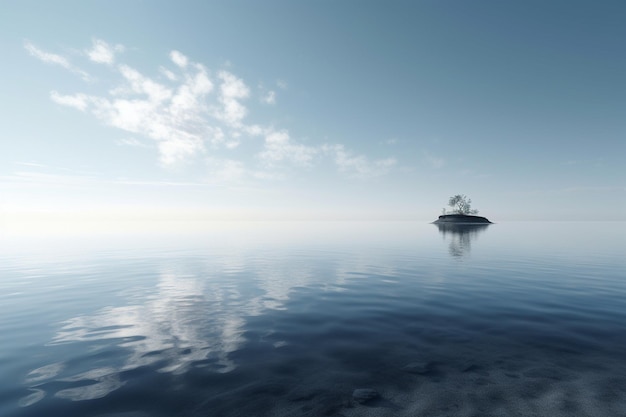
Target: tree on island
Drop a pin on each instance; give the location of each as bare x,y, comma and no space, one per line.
461,205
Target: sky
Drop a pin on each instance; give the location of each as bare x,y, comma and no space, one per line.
318,110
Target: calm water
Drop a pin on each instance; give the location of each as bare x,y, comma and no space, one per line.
280,319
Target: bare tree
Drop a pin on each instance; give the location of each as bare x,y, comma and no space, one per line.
461,204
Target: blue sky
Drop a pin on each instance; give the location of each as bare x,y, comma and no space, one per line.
312,110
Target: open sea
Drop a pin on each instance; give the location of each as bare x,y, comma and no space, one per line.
317,319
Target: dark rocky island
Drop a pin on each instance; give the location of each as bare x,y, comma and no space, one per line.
461,219
462,213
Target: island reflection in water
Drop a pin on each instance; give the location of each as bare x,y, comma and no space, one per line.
461,236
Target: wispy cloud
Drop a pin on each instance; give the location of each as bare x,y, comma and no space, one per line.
270,97
266,95
133,142
103,53
77,101
433,160
358,166
279,147
168,74
55,59
232,91
31,164
179,59
175,117
191,112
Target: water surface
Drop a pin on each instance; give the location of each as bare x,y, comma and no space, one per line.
268,319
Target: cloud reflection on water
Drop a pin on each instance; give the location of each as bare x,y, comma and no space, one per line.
190,319
193,315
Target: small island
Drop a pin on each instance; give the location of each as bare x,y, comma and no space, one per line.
462,212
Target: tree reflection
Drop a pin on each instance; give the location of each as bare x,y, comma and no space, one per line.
461,236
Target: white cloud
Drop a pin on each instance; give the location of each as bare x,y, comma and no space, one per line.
179,59
232,89
46,56
31,164
77,101
103,53
142,85
282,84
134,142
175,117
232,144
348,162
168,74
266,96
254,130
178,149
279,147
189,112
55,59
358,166
270,97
